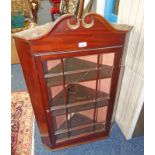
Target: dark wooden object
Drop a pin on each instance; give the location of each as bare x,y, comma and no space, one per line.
69,39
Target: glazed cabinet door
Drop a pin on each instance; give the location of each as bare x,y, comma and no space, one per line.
78,93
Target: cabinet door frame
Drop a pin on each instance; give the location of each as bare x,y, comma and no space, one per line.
114,81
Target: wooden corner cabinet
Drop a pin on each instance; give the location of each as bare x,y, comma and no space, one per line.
71,68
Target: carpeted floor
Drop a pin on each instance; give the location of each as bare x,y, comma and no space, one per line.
116,144
22,119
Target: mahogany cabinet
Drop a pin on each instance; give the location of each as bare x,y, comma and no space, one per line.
71,72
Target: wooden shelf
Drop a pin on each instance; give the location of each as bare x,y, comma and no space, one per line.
78,125
80,107
79,98
76,70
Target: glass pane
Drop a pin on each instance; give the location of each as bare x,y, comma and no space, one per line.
81,92
53,72
81,118
52,66
80,63
101,114
54,80
56,95
108,59
104,88
60,122
106,65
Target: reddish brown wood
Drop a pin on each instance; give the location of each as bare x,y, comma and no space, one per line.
60,43
79,52
34,87
44,92
115,76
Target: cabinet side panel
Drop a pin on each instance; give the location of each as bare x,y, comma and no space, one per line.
32,81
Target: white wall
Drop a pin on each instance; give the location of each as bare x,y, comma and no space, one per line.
130,93
98,6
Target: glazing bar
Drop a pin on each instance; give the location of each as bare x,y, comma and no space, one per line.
97,79
65,94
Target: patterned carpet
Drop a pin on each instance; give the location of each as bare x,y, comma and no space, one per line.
21,124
